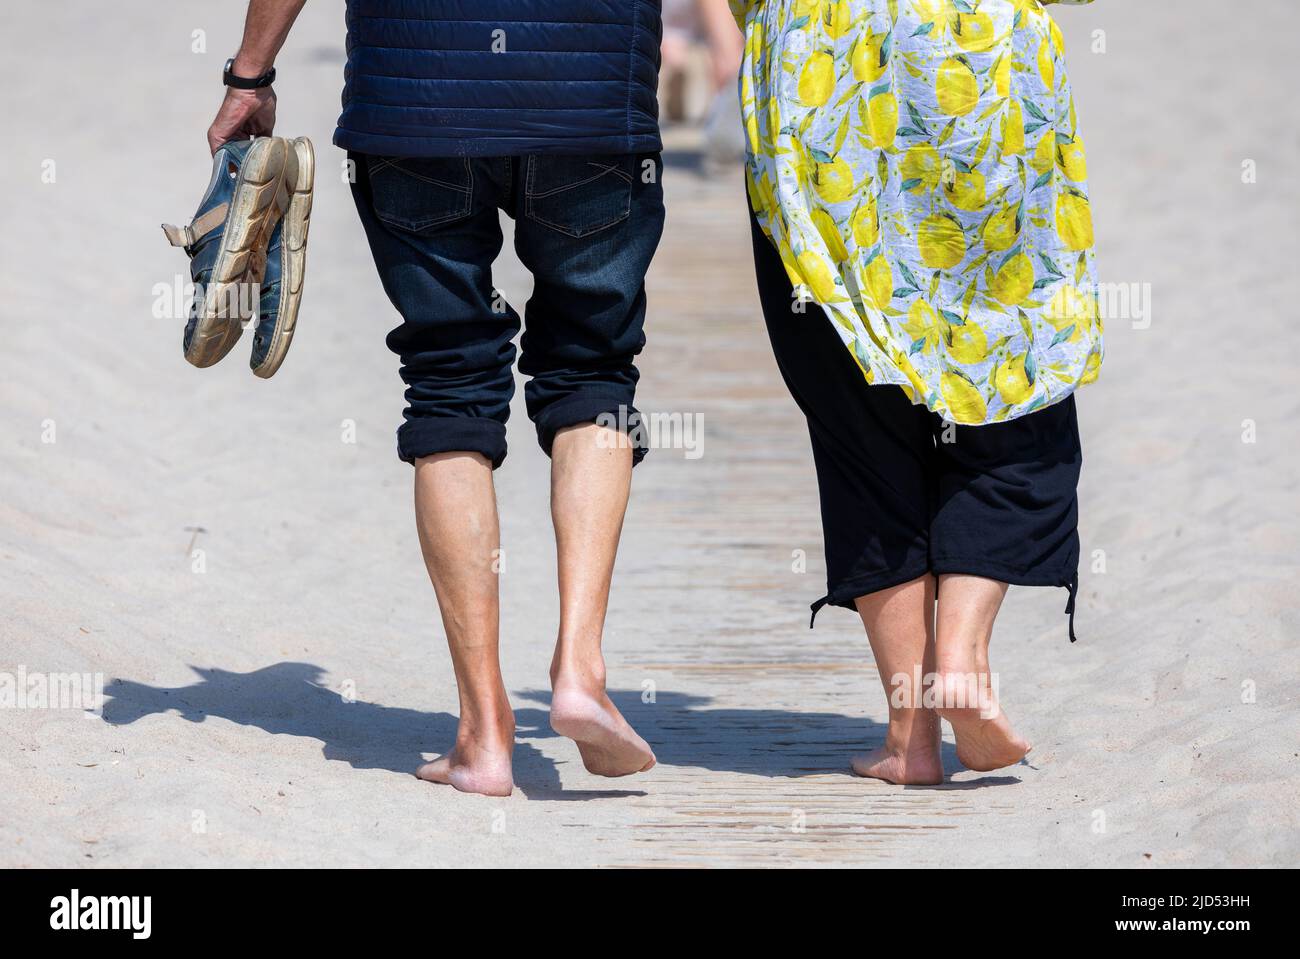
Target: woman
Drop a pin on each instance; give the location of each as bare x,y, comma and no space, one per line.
915,170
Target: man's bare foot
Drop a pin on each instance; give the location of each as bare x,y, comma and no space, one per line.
985,737
902,768
474,768
609,746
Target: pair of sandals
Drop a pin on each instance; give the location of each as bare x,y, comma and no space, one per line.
247,246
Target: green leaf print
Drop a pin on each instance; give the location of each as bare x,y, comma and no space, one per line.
1062,335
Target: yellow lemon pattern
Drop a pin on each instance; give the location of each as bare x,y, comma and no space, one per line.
917,165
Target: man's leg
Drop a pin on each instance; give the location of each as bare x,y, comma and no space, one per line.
900,627
456,513
587,229
434,231
591,475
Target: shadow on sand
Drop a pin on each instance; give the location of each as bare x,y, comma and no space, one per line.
288,699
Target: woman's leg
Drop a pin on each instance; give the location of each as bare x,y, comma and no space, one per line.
1007,512
874,456
900,626
966,687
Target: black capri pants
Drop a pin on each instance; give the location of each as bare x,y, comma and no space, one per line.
902,492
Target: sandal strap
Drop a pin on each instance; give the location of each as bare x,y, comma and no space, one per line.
189,235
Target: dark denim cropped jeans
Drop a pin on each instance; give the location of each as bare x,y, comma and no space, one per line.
586,227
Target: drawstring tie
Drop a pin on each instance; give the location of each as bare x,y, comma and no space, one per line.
816,608
1073,587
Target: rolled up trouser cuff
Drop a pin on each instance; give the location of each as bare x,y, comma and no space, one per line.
426,435
589,408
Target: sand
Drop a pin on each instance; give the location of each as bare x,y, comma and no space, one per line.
268,697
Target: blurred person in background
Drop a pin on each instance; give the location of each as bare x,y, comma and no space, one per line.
686,24
722,130
680,35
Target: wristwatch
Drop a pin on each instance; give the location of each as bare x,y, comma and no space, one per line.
246,83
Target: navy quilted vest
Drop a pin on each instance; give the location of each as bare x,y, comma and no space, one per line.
501,77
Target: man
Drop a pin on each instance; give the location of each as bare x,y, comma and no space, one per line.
454,110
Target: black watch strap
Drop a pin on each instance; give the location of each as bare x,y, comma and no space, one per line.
246,83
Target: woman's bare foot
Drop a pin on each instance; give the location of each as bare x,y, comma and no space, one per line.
985,737
608,745
476,764
910,756
900,768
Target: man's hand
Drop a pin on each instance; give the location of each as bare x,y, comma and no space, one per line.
251,113
243,114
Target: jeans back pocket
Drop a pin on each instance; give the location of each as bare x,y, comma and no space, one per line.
419,193
578,195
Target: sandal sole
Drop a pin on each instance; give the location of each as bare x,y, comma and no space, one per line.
293,257
230,298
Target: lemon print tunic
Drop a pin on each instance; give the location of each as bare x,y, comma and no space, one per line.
918,166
